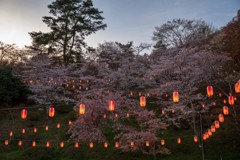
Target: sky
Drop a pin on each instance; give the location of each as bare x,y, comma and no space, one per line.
127,20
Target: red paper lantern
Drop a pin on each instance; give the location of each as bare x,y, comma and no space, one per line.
6,142
111,106
132,144
147,143
221,117
175,97
20,143
230,100
116,144
195,139
142,101
76,145
35,130
225,110
209,132
210,91
91,145
237,87
213,129
48,144
23,131
33,144
58,125
105,144
82,109
24,114
162,142
69,122
204,137
51,111
11,134
216,123
62,144
46,128
179,140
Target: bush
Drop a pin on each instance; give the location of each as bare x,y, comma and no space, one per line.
12,90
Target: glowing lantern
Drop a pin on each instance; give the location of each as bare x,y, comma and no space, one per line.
178,140
80,87
173,111
48,144
214,103
203,105
127,115
33,144
217,125
105,144
147,143
175,97
142,101
204,137
162,142
163,112
148,94
35,130
51,111
11,134
91,145
111,106
195,139
131,93
224,101
76,145
139,93
82,109
87,88
225,110
213,129
73,87
46,128
20,143
207,135
69,123
230,100
23,131
6,142
116,115
24,114
220,94
221,117
104,116
237,87
132,144
210,91
209,132
62,144
58,125
116,144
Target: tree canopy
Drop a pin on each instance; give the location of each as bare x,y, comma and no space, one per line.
178,32
70,23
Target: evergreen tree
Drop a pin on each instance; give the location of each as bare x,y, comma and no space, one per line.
70,23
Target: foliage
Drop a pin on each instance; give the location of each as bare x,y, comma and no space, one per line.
70,23
12,89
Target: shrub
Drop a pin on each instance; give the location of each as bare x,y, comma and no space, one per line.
12,90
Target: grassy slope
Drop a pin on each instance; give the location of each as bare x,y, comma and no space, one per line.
225,143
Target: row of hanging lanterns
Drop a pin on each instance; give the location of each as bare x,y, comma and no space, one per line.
105,144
